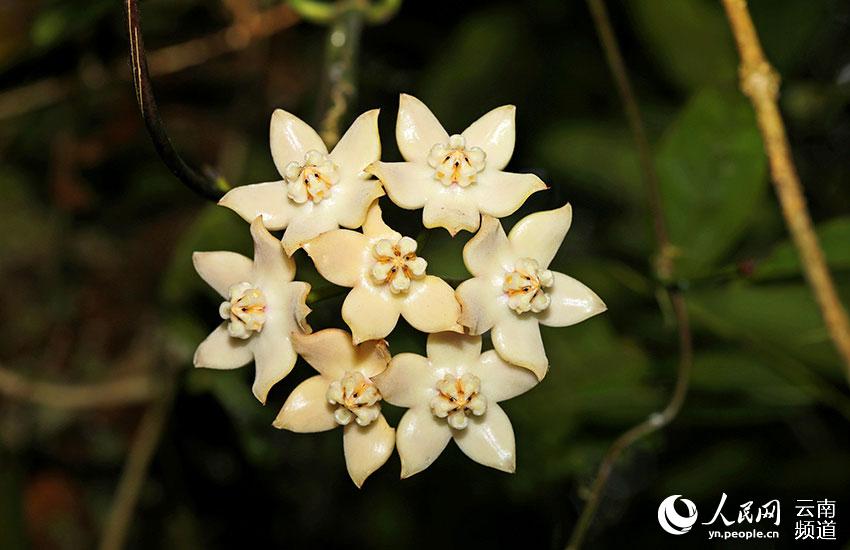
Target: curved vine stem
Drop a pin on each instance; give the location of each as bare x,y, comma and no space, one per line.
664,270
208,185
760,82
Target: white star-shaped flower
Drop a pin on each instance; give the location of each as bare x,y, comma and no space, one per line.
262,307
320,191
513,291
455,178
453,393
342,394
387,279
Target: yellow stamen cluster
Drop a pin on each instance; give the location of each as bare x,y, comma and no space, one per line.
457,398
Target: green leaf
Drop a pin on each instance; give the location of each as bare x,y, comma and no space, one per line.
597,157
711,168
746,383
595,378
215,228
783,317
689,39
458,84
834,236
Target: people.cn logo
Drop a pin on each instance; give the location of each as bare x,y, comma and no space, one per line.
673,522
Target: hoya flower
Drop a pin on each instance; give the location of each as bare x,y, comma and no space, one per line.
513,291
454,394
342,394
457,177
262,306
387,279
320,191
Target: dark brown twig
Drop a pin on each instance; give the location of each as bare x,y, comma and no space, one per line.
207,185
664,271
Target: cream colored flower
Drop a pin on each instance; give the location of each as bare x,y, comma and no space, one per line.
320,191
387,278
342,394
513,291
453,393
457,177
262,307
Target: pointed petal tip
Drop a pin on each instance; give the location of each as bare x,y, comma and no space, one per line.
261,394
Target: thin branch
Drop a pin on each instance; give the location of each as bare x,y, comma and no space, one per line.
142,451
207,185
664,271
760,82
164,61
121,392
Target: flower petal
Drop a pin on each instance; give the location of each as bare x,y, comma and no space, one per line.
339,255
499,379
274,359
367,448
448,349
453,210
308,224
408,184
274,355
489,439
351,199
478,299
374,226
221,351
539,235
571,302
417,129
420,439
272,267
489,250
495,133
500,194
370,313
332,353
221,270
407,381
359,147
517,340
268,200
290,139
431,306
307,410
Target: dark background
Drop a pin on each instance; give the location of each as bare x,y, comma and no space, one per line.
96,279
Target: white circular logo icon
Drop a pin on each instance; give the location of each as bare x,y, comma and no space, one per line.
671,521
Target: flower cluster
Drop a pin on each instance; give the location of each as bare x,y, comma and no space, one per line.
327,205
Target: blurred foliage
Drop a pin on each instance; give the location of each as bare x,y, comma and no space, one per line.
95,253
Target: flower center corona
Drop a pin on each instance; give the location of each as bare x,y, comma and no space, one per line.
356,398
453,163
246,310
397,263
457,398
311,180
524,286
